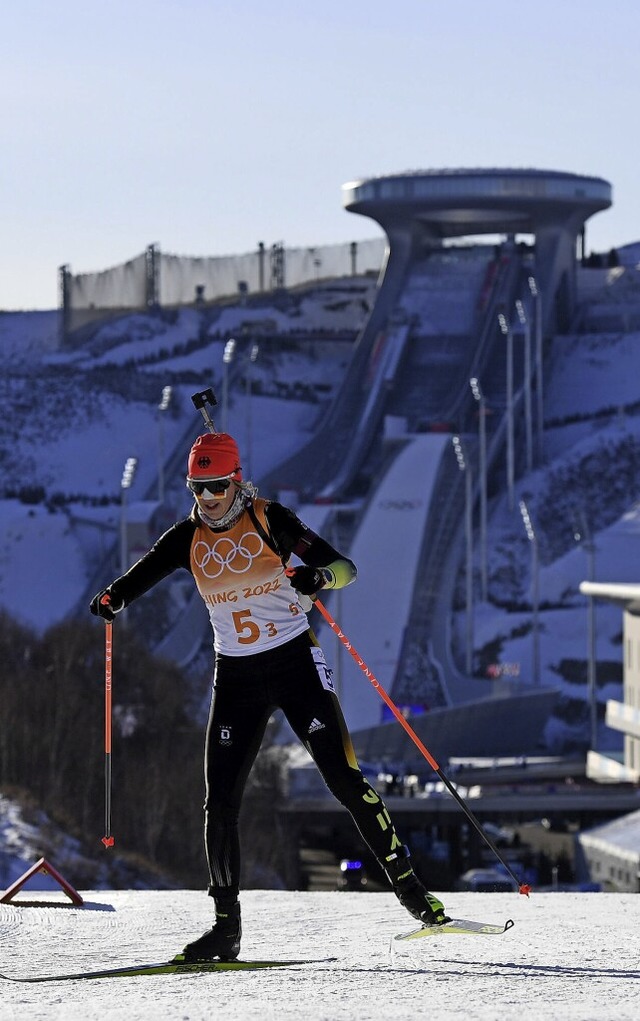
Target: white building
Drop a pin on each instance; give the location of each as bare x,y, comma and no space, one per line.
623,716
611,854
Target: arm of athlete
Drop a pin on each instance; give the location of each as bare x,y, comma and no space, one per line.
170,552
324,567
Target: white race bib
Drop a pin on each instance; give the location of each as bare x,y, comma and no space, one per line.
325,673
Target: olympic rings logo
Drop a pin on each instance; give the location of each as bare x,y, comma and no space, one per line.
212,560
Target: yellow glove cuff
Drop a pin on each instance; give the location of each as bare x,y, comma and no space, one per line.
338,574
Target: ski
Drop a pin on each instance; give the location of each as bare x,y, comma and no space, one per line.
177,966
463,926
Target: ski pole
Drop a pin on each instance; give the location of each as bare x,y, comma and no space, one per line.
522,887
107,840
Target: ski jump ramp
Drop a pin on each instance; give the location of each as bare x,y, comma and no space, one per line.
373,612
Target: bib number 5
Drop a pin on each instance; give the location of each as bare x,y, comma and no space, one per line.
247,630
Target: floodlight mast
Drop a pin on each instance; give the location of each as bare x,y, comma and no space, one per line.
200,401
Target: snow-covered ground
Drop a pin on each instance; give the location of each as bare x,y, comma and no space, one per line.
569,957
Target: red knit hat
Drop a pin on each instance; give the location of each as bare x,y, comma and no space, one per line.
213,456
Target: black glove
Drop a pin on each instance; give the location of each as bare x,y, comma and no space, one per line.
106,604
307,580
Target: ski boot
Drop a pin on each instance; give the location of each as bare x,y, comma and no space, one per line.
222,942
411,893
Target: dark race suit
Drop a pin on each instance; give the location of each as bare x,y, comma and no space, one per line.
266,659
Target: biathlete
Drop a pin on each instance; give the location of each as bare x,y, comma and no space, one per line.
237,546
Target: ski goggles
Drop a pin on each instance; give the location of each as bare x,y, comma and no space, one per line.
212,486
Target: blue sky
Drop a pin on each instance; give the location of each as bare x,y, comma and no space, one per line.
207,126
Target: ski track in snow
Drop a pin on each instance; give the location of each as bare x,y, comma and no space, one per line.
570,957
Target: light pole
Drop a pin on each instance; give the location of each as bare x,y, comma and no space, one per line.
505,329
583,534
537,300
478,395
125,484
251,360
464,466
165,401
227,358
535,586
524,322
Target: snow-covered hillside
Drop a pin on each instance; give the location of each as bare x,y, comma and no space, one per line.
72,417
28,834
588,488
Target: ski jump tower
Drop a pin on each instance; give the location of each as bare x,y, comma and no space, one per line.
418,210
